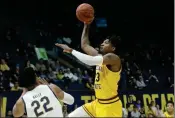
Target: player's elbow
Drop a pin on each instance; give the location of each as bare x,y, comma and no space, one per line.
83,46
16,113
68,99
72,100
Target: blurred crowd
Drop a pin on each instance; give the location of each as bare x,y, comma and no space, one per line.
149,68
138,111
50,70
145,67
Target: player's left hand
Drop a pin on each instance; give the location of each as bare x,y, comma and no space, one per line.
64,47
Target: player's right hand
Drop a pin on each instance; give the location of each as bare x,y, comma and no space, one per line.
64,47
89,22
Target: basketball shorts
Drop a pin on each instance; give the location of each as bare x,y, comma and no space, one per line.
104,108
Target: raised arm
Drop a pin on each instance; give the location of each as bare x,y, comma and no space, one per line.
85,44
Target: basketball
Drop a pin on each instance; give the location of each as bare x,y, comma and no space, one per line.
85,13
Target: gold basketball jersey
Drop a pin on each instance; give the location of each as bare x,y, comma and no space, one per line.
106,82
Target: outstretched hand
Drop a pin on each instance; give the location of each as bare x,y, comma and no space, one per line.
64,47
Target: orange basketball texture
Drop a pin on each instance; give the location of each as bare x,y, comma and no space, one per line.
85,12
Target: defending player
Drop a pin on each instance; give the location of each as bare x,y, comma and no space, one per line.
39,100
108,68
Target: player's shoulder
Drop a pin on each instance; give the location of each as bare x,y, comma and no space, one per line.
20,102
112,56
54,87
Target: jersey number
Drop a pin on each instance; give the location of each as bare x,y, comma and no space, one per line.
37,106
97,77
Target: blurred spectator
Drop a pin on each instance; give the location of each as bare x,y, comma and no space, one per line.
89,84
131,100
16,73
150,115
79,71
4,66
1,87
1,77
170,109
75,77
138,104
7,56
152,76
28,64
85,76
9,114
150,112
169,82
79,75
21,48
11,83
135,113
69,75
57,66
16,87
51,74
125,113
131,81
60,74
142,112
43,74
52,64
153,108
30,50
40,66
129,109
159,111
140,83
9,35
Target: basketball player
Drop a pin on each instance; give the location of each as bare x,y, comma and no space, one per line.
170,110
39,100
108,68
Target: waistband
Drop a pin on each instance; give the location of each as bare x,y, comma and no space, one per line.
109,100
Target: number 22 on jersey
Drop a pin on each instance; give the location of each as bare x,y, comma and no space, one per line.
36,104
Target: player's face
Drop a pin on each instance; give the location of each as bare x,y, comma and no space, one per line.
106,47
170,107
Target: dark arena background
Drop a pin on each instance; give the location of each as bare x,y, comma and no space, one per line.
30,29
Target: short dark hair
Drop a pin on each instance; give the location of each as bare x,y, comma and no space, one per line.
170,102
27,78
115,41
